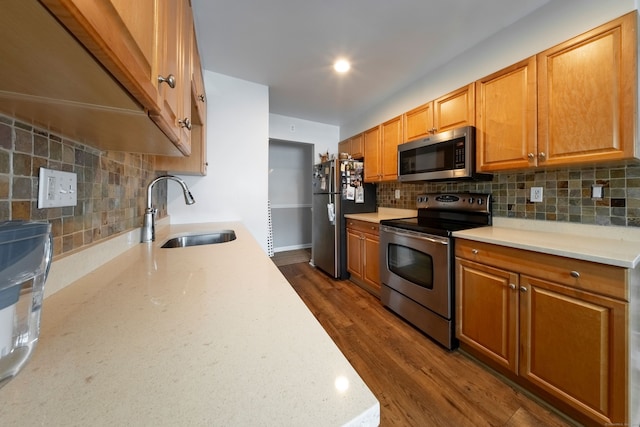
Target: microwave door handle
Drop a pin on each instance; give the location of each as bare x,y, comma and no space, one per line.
420,236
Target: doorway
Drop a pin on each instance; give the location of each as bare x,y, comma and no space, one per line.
290,172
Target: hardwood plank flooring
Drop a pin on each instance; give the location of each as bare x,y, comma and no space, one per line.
417,382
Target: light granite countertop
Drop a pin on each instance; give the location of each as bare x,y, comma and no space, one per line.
206,335
382,214
618,246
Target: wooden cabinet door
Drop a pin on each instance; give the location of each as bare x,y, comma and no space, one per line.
371,255
587,96
354,253
174,117
357,146
344,146
418,123
506,118
354,146
456,109
372,155
486,311
573,345
391,137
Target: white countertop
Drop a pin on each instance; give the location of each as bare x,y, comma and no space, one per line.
206,335
618,246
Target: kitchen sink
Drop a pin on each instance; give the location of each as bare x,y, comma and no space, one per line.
200,239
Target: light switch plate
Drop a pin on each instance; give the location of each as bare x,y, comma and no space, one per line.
57,189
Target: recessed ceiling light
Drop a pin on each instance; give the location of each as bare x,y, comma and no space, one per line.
341,66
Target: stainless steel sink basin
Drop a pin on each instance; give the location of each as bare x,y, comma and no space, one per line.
200,239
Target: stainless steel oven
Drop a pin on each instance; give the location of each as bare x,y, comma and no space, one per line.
416,260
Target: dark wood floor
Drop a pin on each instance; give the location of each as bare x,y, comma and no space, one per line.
417,382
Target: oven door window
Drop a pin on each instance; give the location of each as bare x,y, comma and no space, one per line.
411,264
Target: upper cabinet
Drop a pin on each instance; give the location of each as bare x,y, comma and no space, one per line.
173,112
572,104
51,81
196,163
353,146
587,96
506,117
381,151
145,46
453,110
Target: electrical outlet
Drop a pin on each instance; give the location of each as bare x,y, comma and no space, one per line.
536,194
397,194
57,189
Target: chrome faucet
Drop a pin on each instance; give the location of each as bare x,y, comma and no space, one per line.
148,226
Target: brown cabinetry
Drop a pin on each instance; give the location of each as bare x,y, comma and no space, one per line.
587,96
506,112
572,104
174,73
353,146
146,45
381,151
363,261
555,325
453,110
196,163
67,90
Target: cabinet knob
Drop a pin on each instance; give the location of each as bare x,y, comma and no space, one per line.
170,80
575,274
185,123
541,155
512,286
531,155
201,97
474,251
523,289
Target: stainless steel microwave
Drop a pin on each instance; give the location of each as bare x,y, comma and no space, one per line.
449,155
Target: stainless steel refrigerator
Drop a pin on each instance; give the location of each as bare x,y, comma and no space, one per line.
338,189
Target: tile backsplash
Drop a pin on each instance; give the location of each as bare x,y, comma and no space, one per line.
111,185
566,194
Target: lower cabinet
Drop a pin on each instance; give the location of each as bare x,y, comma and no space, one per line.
555,325
363,261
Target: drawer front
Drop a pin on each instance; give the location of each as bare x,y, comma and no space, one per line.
363,226
585,275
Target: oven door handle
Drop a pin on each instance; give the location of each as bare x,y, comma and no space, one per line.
416,235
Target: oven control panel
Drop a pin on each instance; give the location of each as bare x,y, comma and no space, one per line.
477,202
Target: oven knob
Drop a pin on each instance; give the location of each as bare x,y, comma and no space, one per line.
479,200
470,200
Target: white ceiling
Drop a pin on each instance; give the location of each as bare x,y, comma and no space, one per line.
290,45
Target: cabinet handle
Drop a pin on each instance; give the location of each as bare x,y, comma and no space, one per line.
201,98
185,123
474,251
541,155
170,80
432,130
531,156
512,286
523,289
575,274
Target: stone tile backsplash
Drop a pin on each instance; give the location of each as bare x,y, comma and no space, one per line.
566,194
111,185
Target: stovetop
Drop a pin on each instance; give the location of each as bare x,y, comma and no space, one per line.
443,213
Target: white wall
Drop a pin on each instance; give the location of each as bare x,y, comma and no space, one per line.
235,188
553,23
324,137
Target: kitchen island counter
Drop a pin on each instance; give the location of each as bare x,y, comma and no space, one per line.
203,335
